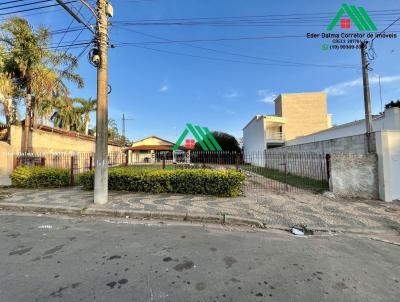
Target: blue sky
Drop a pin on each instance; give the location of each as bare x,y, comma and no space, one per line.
205,85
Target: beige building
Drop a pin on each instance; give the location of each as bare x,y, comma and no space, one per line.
296,115
150,149
305,113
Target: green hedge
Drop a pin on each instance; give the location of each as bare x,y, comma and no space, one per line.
192,181
39,177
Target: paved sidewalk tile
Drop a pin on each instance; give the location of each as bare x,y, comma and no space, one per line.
272,208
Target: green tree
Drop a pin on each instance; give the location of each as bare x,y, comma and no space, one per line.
67,115
87,107
392,104
27,52
225,140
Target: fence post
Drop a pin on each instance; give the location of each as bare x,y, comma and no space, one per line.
163,162
237,162
328,167
286,182
72,171
91,163
126,157
43,161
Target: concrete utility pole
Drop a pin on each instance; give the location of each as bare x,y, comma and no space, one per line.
101,172
124,119
367,97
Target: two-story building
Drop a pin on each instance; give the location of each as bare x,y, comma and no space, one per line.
296,115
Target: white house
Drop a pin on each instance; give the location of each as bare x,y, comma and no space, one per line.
296,114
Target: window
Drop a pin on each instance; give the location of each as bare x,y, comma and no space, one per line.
345,23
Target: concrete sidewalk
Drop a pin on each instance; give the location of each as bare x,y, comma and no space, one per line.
275,210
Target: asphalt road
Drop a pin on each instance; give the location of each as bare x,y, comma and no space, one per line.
52,258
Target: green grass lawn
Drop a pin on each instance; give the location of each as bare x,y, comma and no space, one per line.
290,179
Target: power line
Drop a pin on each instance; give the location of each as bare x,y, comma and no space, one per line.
67,30
34,8
248,56
383,31
226,60
313,15
24,4
8,2
255,18
69,11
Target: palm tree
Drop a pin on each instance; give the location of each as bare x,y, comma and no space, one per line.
67,116
88,106
28,51
6,91
45,88
45,109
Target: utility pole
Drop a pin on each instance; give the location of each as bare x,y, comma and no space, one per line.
367,96
123,127
101,172
104,9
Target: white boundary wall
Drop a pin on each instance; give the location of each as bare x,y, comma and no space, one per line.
388,150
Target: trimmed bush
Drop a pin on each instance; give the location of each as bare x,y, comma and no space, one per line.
191,181
39,177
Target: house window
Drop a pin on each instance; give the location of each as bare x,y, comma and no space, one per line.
345,23
190,143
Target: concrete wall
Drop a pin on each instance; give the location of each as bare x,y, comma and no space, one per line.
354,175
41,142
6,163
389,120
388,150
351,144
305,113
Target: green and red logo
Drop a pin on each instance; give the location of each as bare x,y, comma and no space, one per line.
202,135
357,15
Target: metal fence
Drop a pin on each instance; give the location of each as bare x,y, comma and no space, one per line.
285,171
77,163
264,170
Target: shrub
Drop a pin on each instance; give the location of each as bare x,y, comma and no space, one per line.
39,177
191,181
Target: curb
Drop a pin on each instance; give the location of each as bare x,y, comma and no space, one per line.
148,215
97,211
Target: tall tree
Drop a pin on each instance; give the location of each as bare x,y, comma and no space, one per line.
6,91
28,51
67,115
225,140
87,107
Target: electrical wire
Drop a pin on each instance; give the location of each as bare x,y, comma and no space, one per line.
225,60
247,56
24,4
34,8
371,53
67,30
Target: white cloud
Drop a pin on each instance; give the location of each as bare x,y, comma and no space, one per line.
164,87
266,96
343,88
230,94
